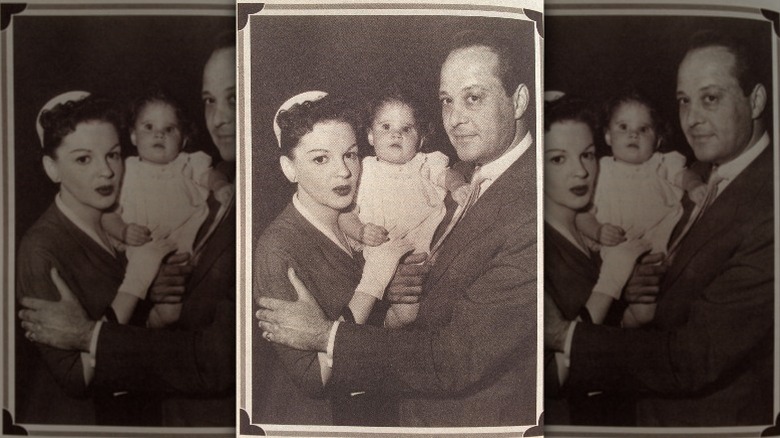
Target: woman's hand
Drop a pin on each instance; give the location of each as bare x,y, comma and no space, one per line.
136,235
297,324
61,324
611,235
373,235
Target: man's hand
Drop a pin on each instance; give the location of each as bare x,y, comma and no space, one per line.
644,283
297,324
406,287
168,286
555,326
61,324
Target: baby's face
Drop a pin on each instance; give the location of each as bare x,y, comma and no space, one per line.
156,133
394,134
631,134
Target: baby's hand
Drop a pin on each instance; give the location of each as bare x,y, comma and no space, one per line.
373,235
698,193
461,194
611,235
136,235
225,193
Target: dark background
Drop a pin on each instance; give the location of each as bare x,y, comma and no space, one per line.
353,56
593,56
115,56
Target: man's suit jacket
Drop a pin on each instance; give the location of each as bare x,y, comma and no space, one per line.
470,357
197,357
708,359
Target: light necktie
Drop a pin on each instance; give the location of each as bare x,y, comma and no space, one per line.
709,197
474,191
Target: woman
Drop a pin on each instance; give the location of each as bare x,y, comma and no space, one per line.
574,278
82,153
317,137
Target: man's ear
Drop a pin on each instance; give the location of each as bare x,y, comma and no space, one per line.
51,168
757,101
288,168
520,99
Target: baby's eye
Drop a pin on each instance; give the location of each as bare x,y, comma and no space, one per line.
408,129
320,159
148,126
622,126
114,155
170,129
351,156
644,130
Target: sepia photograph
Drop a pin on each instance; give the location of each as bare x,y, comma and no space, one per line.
661,201
118,147
389,235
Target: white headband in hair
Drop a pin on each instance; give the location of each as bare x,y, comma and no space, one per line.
311,96
54,101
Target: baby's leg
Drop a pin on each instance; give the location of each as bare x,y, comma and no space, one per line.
637,315
163,314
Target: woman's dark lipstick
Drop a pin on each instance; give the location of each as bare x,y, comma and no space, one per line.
580,190
342,190
107,190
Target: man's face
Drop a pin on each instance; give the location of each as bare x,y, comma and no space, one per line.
715,115
219,99
478,115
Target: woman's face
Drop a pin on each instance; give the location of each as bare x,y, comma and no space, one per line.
326,167
569,165
88,165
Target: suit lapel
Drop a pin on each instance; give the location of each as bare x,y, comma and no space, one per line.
223,239
481,217
720,216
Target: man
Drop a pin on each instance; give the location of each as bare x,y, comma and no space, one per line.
470,357
198,358
707,360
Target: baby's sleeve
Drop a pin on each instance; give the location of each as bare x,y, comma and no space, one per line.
200,164
674,163
436,162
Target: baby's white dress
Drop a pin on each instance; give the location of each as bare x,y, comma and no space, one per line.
641,199
406,199
168,198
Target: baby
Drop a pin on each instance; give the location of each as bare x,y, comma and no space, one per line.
163,198
639,189
400,199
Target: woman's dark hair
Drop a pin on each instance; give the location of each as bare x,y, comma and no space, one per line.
396,93
63,118
300,119
632,95
569,108
156,95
